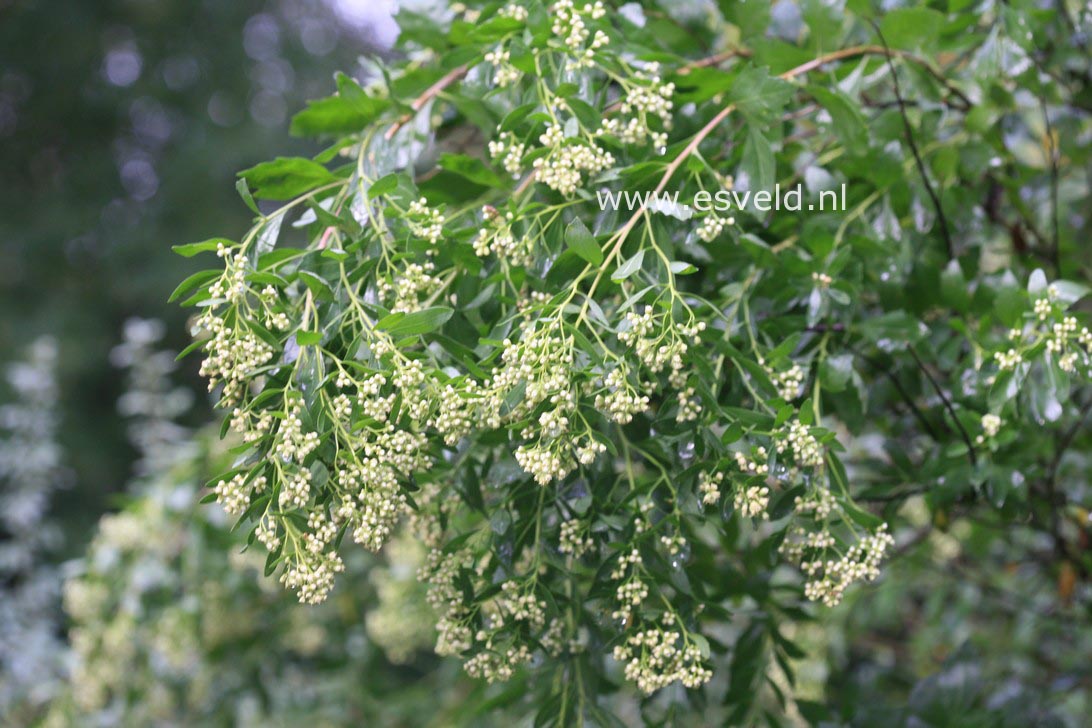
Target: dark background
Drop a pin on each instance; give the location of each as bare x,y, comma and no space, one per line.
122,125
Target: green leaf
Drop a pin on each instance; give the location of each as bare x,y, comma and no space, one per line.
835,371
320,288
471,168
911,28
286,177
244,192
335,115
580,240
192,282
846,117
953,287
308,338
357,99
416,323
758,161
760,97
630,267
191,249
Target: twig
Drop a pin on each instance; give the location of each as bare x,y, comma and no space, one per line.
1052,148
914,150
947,405
430,93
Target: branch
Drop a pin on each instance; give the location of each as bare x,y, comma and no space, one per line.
947,405
914,150
430,93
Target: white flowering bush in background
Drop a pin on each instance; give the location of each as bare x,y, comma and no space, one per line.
171,623
632,447
31,472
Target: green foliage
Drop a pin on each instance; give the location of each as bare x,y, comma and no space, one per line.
637,442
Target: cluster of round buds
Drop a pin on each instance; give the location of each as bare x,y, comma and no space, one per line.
622,401
991,425
828,579
563,169
753,501
589,452
231,357
510,151
312,575
425,222
1044,308
408,286
1060,335
505,74
689,406
234,495
789,382
626,560
575,539
630,594
673,543
493,666
520,606
712,226
496,237
818,503
278,320
654,659
822,280
709,487
805,448
570,28
292,442
252,430
757,465
295,488
1008,360
231,286
545,463
646,333
514,11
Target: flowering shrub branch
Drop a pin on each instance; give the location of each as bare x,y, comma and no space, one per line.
608,431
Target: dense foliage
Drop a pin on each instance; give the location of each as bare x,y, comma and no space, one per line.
526,452
613,427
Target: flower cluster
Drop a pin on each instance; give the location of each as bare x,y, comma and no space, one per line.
828,578
232,356
496,237
425,222
709,487
575,539
806,451
647,97
509,151
712,226
655,658
568,161
788,382
752,501
571,29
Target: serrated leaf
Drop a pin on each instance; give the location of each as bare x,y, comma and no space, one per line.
846,118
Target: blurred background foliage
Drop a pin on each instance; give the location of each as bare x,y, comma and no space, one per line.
122,126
